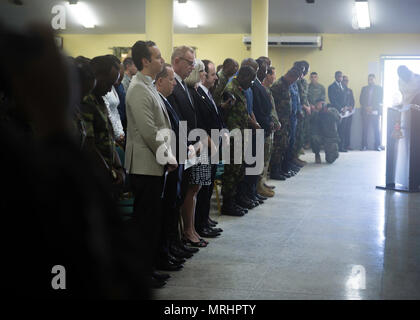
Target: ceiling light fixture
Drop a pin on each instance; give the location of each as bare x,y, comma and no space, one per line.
187,13
83,14
362,14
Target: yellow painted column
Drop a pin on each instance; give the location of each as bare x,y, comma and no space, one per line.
259,29
159,25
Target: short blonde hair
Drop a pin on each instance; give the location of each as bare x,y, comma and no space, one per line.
194,77
180,52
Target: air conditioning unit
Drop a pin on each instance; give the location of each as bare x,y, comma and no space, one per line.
290,41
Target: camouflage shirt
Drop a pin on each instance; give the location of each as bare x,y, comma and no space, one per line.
98,127
274,116
315,92
303,91
220,87
236,116
282,100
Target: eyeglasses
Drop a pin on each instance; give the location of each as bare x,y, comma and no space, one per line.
189,62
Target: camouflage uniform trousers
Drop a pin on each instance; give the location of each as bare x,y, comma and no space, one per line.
280,144
330,147
232,175
300,135
268,145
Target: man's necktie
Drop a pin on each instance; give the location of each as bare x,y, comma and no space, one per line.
187,91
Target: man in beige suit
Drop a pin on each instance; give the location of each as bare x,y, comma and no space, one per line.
146,116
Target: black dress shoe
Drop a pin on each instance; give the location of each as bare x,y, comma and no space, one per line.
213,221
286,174
244,202
261,197
363,148
208,233
168,266
179,253
156,284
378,149
277,176
342,150
216,229
231,211
211,224
160,276
189,249
176,260
241,208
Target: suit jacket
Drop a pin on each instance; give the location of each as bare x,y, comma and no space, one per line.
377,96
348,97
146,115
336,96
183,107
262,107
207,116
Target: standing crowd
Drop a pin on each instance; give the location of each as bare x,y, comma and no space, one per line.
122,108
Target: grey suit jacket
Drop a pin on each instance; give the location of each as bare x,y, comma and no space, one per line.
146,115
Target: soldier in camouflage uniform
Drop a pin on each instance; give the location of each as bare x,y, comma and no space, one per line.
316,91
268,143
235,117
324,122
303,114
230,67
282,101
99,133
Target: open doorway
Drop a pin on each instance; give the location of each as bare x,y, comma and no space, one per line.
392,94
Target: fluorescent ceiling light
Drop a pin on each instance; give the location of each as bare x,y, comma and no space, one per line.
362,14
83,14
187,13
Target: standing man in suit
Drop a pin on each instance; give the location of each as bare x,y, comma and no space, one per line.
371,104
336,94
146,116
349,105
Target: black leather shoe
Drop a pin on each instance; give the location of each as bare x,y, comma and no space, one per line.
176,260
363,148
216,229
261,197
177,252
213,221
245,210
211,224
277,176
160,276
156,284
286,174
231,211
189,249
208,233
342,150
378,149
244,202
168,266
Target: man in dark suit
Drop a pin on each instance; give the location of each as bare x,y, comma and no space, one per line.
208,117
263,111
349,105
371,104
336,94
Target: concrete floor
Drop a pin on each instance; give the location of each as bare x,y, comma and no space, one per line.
310,239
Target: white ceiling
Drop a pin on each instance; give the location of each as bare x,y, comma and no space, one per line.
232,16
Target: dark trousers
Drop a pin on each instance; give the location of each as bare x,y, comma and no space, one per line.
202,209
171,203
147,213
371,121
248,185
344,132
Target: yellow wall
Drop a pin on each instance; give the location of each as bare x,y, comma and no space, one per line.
350,53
